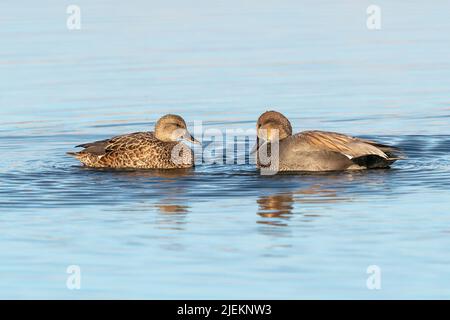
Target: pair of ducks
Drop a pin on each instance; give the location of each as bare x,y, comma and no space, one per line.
304,151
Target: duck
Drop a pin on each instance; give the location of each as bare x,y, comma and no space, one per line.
316,150
161,149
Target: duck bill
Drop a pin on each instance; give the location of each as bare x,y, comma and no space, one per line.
254,149
188,137
257,146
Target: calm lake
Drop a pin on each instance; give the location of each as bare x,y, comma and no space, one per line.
221,230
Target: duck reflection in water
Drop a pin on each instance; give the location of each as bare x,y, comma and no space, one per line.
163,190
172,215
143,173
278,208
275,206
172,208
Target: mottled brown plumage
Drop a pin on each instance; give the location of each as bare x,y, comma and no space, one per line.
319,150
142,150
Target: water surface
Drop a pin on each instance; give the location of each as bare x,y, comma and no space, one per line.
222,230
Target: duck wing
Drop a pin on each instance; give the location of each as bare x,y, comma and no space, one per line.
349,146
127,142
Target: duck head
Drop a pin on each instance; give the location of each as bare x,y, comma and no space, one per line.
271,126
171,128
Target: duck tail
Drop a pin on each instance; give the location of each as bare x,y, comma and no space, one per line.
73,154
393,153
373,161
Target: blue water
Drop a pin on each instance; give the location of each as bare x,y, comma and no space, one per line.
222,230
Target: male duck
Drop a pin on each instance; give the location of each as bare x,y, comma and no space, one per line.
319,150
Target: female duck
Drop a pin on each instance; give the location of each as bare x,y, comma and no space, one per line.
143,150
317,150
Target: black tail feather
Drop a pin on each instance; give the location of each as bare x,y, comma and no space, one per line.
373,161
